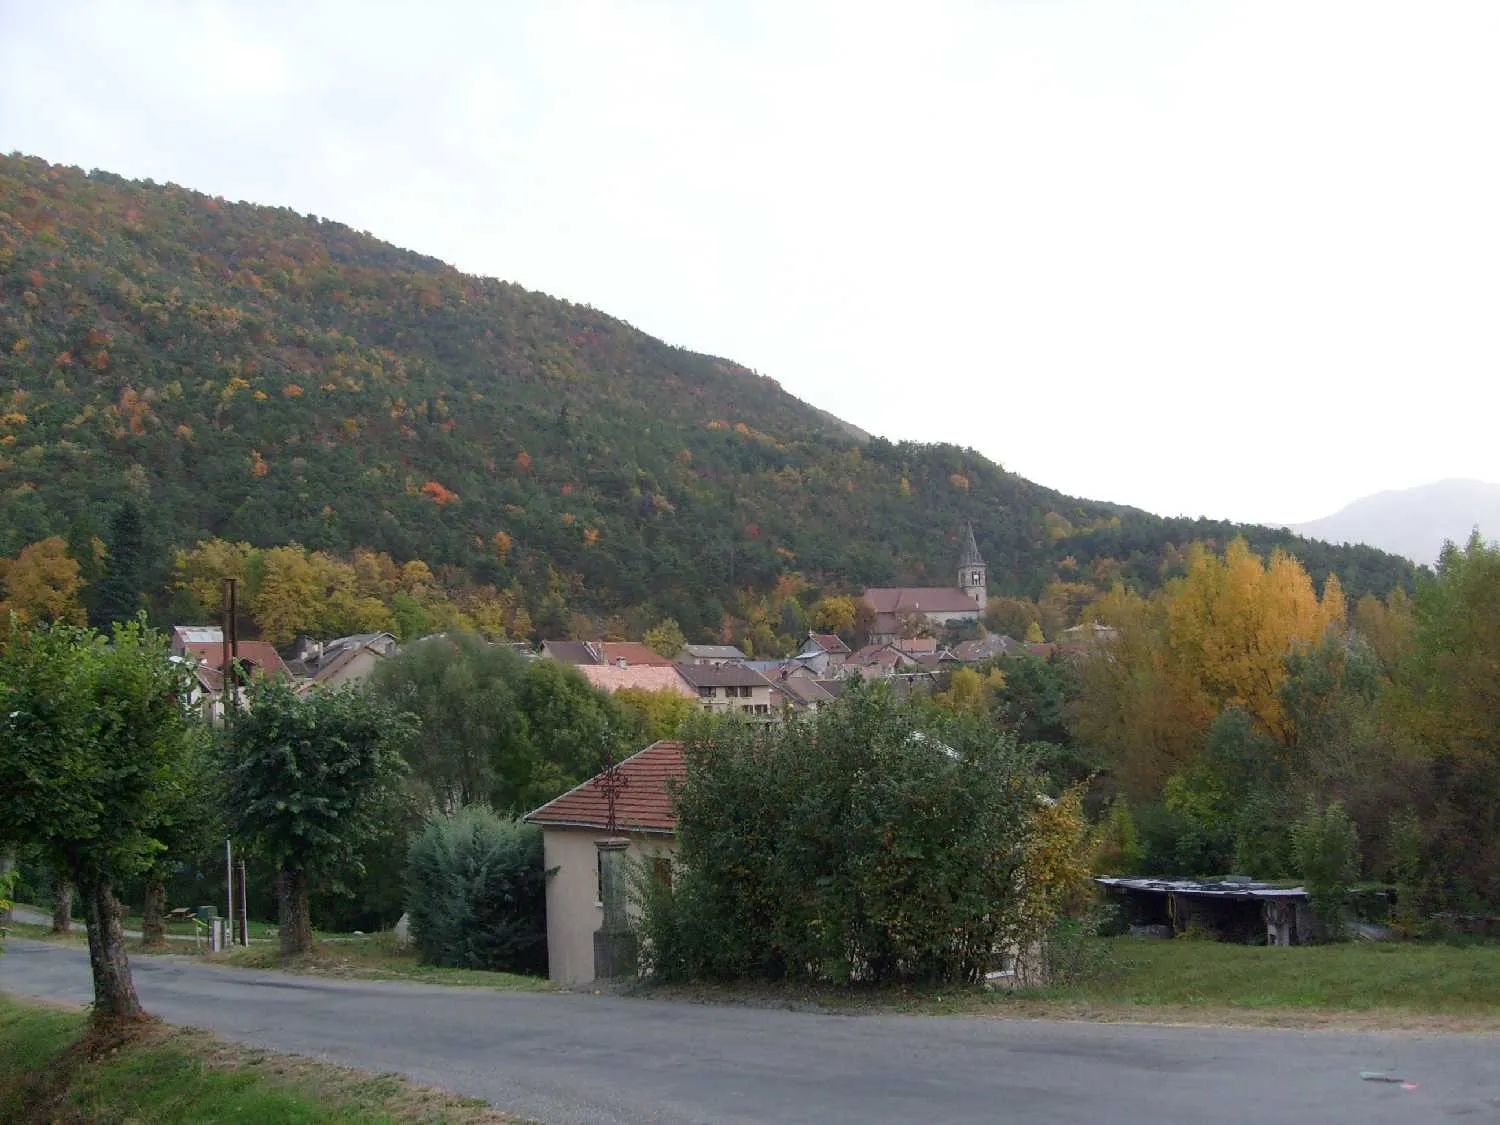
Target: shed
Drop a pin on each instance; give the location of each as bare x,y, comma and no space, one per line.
1232,909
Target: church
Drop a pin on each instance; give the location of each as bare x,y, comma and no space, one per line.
896,606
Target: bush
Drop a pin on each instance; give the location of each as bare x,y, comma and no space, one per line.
476,893
867,843
1326,848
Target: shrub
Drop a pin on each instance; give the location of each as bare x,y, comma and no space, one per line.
1326,848
867,843
476,893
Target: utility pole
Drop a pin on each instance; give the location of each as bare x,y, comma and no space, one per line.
229,877
244,909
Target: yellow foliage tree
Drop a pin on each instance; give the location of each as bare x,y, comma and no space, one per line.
834,614
42,583
201,571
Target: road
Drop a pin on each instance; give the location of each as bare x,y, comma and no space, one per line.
574,1057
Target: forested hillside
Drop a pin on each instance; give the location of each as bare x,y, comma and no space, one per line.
258,376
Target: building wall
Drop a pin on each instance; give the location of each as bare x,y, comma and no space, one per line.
359,668
574,911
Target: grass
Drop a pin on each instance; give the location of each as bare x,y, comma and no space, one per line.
54,1067
349,956
1405,986
1378,983
375,957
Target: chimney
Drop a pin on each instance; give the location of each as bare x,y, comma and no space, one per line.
622,662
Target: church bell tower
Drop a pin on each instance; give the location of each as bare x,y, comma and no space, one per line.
972,573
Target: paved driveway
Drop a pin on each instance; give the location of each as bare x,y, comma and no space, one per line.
583,1058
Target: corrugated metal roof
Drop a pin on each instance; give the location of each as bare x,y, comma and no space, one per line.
1210,888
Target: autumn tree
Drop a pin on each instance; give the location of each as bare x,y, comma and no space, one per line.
835,614
655,714
94,749
41,584
306,779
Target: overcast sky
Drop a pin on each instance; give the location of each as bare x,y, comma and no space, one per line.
1240,260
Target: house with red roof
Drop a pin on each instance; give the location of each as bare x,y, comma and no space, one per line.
572,826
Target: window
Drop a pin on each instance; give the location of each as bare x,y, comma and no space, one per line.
705,693
762,708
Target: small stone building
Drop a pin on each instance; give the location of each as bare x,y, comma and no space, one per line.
572,826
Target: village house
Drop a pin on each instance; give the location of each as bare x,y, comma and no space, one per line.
824,653
347,660
643,677
710,654
904,609
622,654
574,824
204,644
987,648
731,689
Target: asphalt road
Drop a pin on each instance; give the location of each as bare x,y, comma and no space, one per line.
567,1057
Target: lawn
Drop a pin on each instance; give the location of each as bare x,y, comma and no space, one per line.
1405,986
1380,984
53,1069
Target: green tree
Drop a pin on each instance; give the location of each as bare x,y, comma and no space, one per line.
122,590
1326,846
665,638
307,779
476,745
94,749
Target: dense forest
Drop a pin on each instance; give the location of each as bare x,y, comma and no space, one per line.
222,371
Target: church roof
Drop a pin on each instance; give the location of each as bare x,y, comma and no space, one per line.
971,555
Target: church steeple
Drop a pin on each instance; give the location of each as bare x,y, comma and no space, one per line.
972,573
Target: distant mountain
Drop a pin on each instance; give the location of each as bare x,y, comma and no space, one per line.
268,377
1413,522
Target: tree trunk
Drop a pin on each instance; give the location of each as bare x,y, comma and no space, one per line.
7,865
62,907
296,924
114,991
153,924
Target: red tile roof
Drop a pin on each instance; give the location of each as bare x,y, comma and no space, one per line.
645,677
643,805
633,653
828,642
920,599
261,656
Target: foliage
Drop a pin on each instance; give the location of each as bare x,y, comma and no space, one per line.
655,715
306,778
1326,847
95,750
42,583
665,638
477,893
869,842
1053,879
122,591
268,378
497,729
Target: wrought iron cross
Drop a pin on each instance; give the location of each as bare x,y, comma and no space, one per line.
610,781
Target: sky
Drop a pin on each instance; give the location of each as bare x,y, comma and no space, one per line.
1206,258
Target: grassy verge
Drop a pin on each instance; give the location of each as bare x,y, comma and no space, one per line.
375,957
1407,986
363,957
54,1068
